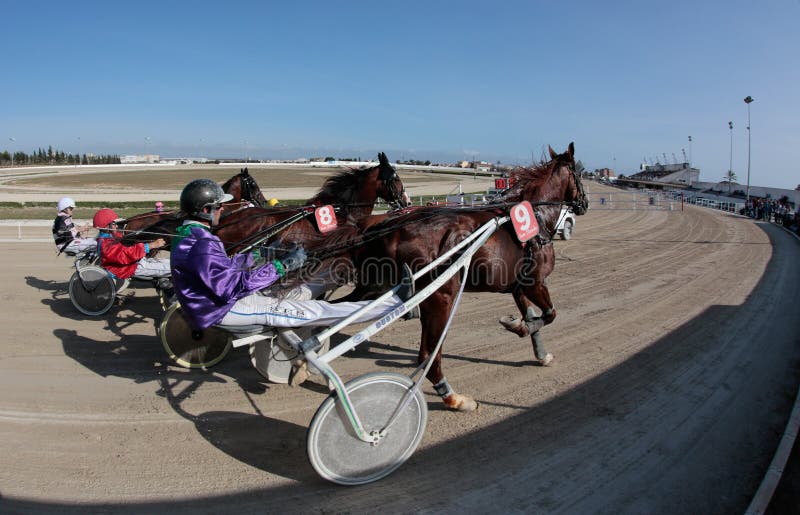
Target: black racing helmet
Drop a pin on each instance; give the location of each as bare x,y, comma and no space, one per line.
201,193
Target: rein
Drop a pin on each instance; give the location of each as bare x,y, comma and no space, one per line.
268,232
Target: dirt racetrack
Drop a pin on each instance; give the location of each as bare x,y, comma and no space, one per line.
677,362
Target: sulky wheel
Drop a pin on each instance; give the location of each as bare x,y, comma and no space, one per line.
189,348
339,456
91,290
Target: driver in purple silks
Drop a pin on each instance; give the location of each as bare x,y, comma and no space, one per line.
216,289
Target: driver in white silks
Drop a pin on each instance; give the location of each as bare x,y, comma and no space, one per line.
216,289
67,237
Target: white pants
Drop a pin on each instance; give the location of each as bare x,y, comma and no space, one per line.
79,245
152,267
258,309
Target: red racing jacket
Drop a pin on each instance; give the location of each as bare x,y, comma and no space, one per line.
119,259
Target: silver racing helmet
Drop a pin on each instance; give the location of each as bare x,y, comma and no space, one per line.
201,193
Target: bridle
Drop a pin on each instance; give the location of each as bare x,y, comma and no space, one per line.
390,183
579,205
248,187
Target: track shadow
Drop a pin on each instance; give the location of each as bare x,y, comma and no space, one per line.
266,443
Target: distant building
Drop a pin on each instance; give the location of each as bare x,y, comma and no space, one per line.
678,174
137,158
604,173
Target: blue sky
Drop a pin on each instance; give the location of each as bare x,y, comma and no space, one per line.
425,80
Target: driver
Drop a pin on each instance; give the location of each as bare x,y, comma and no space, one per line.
66,236
126,261
216,289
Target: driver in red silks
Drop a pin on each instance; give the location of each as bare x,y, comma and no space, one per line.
123,261
216,289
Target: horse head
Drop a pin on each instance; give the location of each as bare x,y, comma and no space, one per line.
574,194
391,188
550,185
244,188
249,189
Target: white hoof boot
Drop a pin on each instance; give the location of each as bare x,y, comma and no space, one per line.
546,360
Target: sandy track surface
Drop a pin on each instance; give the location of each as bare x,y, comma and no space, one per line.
138,183
677,358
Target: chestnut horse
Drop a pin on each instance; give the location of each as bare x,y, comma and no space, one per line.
242,186
502,265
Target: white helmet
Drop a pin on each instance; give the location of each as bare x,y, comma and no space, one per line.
64,203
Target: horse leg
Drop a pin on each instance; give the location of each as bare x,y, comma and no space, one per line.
434,312
528,325
544,258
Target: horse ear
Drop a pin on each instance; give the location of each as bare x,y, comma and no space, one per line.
245,172
553,154
382,159
571,150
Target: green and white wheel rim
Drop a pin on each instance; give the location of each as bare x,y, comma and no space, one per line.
338,455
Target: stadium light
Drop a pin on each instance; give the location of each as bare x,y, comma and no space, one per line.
748,100
730,165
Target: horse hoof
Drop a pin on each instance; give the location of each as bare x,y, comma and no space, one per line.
546,360
515,325
299,374
458,402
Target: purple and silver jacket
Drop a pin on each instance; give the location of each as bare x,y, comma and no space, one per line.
208,282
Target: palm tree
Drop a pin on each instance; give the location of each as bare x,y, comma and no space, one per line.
730,177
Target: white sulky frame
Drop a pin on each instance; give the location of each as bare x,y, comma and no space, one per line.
471,244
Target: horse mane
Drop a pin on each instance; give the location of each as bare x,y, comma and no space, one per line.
527,177
340,188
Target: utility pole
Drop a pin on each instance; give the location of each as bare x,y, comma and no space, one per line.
748,100
730,166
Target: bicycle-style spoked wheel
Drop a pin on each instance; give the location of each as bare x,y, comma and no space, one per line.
338,455
192,349
91,290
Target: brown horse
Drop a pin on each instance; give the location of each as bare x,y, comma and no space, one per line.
142,227
245,191
352,192
502,265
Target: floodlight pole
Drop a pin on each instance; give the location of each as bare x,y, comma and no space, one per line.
748,100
